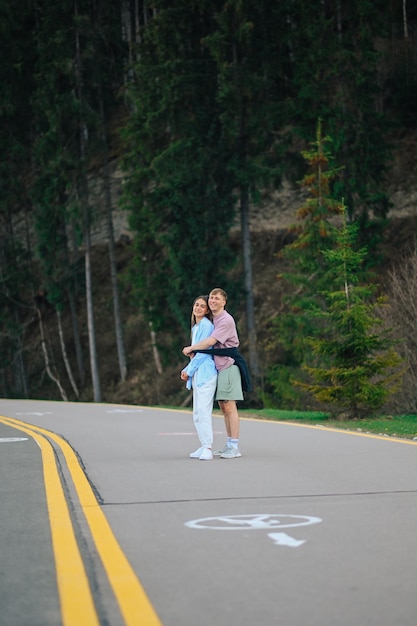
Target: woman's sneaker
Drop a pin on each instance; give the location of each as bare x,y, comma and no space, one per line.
206,455
196,453
231,453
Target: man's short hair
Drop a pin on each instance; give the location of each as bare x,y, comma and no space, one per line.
220,291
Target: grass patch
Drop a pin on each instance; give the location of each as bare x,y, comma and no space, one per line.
403,426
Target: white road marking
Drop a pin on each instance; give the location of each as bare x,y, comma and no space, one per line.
282,539
125,411
261,521
35,413
10,439
188,433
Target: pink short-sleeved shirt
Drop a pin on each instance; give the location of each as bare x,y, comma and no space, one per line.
226,336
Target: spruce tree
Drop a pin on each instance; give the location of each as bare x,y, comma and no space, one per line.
357,367
306,274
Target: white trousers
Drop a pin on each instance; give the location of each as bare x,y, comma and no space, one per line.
203,398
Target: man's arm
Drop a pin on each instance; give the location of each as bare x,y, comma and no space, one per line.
201,345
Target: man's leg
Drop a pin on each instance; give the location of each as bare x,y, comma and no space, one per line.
226,420
231,417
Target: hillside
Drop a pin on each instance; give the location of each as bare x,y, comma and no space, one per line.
269,223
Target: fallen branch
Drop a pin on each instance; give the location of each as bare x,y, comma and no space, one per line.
47,361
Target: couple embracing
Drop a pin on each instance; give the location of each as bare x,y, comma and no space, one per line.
215,371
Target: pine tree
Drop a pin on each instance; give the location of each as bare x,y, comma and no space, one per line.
307,274
357,367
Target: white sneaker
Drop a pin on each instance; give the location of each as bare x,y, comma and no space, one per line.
196,453
231,453
206,455
220,452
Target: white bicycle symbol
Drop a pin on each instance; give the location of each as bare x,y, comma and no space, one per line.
260,521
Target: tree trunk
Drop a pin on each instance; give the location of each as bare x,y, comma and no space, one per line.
126,23
21,366
48,366
242,149
83,185
112,255
155,349
248,283
77,338
405,22
131,11
3,378
90,313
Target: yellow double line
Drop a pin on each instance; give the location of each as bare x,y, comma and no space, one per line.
77,604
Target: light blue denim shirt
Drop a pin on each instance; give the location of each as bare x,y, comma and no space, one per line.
203,364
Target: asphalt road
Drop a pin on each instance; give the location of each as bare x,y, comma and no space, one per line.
311,526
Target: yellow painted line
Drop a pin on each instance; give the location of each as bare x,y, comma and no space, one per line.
131,597
77,606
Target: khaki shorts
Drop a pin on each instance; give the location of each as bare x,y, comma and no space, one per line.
229,384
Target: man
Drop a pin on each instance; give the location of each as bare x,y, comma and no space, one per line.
229,384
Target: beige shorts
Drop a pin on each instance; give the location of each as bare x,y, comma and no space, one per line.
229,384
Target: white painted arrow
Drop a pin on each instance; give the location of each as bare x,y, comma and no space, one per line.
282,539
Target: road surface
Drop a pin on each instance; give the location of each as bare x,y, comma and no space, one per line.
106,520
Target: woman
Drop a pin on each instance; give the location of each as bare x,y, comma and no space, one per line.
201,377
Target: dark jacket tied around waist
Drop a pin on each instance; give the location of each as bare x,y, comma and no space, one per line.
239,361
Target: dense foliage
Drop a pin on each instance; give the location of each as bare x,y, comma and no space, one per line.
215,101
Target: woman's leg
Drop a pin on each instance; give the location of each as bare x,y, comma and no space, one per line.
196,418
205,397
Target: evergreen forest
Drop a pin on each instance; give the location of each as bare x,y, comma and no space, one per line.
184,116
